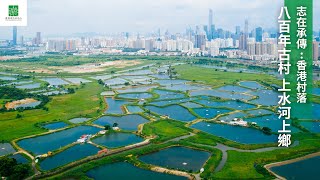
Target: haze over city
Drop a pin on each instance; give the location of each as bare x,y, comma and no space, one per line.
61,18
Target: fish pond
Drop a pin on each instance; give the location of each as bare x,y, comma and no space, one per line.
132,89
115,81
232,116
28,105
77,80
8,78
20,158
251,85
55,81
191,105
135,96
116,171
228,104
29,86
114,106
184,87
178,158
56,125
74,153
259,112
174,112
53,141
134,109
221,94
311,126
6,148
316,91
114,140
164,82
236,133
304,169
168,94
265,97
173,101
236,89
209,113
128,122
272,122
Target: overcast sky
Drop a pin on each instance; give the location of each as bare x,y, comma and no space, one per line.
54,17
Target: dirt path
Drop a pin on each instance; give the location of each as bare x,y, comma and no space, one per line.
169,171
20,150
180,138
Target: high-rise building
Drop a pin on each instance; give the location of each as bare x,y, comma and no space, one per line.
83,41
198,30
205,28
200,41
220,33
258,48
21,40
213,31
70,45
258,34
238,30
242,42
315,51
246,34
14,35
246,27
210,23
251,48
38,38
149,45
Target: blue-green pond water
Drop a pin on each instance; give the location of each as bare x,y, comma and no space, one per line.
116,172
114,140
177,158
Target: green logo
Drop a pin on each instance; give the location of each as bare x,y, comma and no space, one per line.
13,10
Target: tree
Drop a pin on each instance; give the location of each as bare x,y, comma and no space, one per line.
71,90
20,171
115,124
266,130
6,166
100,82
127,83
19,116
10,168
107,127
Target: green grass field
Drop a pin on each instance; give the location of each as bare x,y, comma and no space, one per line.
220,78
165,129
84,102
51,63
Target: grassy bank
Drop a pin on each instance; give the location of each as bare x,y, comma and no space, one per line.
84,102
220,78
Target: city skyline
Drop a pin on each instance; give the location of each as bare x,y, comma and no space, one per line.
144,17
